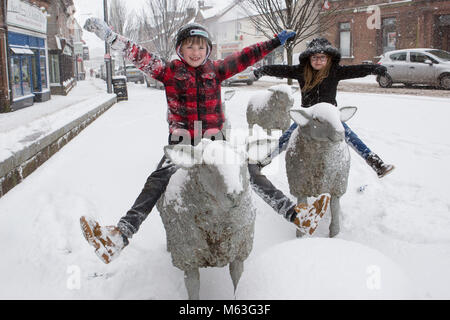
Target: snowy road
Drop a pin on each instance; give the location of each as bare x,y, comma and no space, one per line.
405,216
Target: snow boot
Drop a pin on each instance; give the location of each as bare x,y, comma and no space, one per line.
308,216
378,165
108,241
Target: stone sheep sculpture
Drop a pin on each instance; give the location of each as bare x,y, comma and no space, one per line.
317,156
270,110
207,210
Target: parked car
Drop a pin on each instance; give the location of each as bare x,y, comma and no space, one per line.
133,74
416,66
245,76
150,82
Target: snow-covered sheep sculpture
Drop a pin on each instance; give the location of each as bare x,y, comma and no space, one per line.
317,157
207,210
270,110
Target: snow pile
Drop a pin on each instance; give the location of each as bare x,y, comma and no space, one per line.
319,268
270,109
228,161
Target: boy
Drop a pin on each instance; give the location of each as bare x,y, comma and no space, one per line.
192,87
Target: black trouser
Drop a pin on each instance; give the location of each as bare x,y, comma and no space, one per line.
157,182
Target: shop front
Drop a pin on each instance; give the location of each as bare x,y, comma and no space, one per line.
27,40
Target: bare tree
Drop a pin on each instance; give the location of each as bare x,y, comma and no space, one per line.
305,17
117,19
161,21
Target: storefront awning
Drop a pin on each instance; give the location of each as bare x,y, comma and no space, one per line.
21,51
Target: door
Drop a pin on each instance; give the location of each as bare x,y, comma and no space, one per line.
397,67
418,70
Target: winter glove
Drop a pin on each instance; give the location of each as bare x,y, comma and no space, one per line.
380,70
286,35
104,32
101,29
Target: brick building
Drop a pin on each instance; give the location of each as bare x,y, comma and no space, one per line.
365,29
4,83
62,58
27,53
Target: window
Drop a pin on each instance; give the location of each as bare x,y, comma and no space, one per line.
26,79
21,81
16,86
389,33
401,56
54,68
444,55
43,66
345,39
418,57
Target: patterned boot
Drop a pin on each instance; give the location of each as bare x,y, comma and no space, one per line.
308,217
108,241
378,165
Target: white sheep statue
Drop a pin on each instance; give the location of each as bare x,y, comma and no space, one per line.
317,156
270,109
207,210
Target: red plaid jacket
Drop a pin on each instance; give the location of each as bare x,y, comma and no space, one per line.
193,94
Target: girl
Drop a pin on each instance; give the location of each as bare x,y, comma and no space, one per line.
318,74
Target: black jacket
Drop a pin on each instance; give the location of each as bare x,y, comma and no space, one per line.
324,91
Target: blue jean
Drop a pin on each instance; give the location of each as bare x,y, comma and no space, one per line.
350,137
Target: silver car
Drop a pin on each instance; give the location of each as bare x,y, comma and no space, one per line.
416,66
247,76
133,74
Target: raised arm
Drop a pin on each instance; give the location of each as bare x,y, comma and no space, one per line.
148,62
239,61
279,70
360,70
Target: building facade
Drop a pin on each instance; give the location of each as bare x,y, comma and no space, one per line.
4,75
62,58
364,30
27,49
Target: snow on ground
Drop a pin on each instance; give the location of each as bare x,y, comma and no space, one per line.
401,220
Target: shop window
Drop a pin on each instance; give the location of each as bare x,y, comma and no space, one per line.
389,33
16,83
345,39
21,78
43,71
34,70
26,79
54,68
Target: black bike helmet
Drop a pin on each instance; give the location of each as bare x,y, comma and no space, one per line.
192,30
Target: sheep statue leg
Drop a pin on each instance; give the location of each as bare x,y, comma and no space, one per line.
236,269
335,212
192,282
301,199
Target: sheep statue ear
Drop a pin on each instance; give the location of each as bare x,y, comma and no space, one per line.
347,112
300,116
183,155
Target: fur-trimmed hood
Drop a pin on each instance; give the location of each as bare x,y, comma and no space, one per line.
320,45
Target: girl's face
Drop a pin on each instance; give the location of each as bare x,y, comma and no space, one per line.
194,53
318,61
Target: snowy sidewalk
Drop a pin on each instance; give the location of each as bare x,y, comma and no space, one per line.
29,136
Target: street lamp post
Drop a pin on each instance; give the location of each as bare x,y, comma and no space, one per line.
107,53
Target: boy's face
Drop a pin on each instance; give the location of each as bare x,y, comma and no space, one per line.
194,53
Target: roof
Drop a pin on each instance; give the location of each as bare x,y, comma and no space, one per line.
217,8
